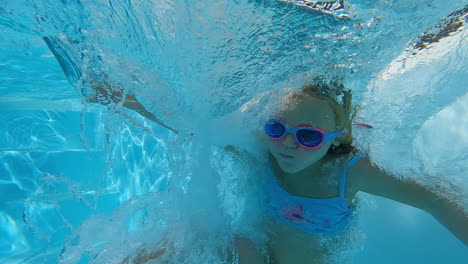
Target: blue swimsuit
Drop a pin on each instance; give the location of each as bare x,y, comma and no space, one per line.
325,217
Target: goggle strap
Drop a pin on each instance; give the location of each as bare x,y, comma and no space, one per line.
332,135
363,125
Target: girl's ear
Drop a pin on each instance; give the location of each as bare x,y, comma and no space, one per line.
335,142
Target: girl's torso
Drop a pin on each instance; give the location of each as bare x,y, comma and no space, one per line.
293,238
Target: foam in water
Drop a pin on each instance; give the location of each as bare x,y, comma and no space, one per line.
195,66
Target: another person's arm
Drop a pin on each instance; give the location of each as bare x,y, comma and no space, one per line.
144,257
71,60
113,94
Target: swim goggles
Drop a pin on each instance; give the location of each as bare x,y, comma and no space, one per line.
308,136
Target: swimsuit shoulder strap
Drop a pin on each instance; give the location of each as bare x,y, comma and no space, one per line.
344,172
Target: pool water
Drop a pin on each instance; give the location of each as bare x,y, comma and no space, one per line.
80,182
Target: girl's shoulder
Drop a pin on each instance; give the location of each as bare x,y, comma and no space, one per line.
359,172
338,164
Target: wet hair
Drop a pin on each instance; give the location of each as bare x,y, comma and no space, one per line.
344,112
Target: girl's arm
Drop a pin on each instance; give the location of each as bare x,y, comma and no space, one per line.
450,213
248,254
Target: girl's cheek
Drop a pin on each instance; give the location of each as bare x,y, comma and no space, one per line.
306,154
302,152
272,145
275,144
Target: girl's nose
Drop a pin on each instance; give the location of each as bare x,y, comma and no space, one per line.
290,141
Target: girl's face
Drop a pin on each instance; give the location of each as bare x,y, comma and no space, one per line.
308,110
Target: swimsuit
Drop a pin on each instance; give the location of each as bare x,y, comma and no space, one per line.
324,217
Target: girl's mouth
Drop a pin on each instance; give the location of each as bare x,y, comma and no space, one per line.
286,156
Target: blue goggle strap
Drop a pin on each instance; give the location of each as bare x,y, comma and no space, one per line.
332,135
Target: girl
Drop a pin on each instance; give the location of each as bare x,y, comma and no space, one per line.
307,199
316,175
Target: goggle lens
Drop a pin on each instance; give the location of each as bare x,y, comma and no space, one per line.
274,129
309,138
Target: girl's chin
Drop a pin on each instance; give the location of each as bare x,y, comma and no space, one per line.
289,168
288,165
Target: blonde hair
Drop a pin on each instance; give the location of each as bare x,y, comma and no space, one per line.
344,111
